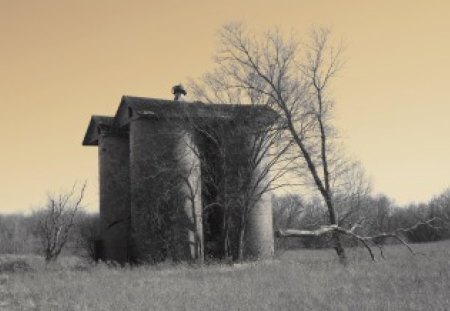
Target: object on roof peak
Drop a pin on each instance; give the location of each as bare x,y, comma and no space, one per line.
179,92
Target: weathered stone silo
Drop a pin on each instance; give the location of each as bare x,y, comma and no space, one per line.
165,183
260,240
114,182
249,175
163,170
190,225
259,235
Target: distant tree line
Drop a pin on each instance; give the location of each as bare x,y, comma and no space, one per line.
20,234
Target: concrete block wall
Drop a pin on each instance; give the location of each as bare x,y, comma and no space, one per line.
113,150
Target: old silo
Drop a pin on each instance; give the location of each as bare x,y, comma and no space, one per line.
165,169
114,184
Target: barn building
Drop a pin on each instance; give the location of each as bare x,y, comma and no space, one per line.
170,174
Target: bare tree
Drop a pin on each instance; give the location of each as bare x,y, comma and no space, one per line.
288,211
352,189
297,88
256,169
294,79
87,233
56,220
167,218
439,206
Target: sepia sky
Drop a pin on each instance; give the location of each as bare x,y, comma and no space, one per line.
62,61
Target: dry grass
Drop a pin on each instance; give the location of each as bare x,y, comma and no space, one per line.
303,280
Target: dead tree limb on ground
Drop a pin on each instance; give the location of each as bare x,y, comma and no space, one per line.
367,241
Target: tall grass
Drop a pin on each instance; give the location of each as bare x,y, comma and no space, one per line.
301,280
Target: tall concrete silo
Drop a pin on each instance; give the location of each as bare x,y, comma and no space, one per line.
114,184
249,177
259,236
165,186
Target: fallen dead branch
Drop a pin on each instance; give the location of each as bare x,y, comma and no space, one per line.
367,241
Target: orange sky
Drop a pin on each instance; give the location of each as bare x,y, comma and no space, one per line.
61,61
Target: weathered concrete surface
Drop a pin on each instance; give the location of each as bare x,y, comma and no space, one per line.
248,177
259,235
113,151
190,224
165,191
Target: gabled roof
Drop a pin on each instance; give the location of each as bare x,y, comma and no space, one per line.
131,107
161,108
91,136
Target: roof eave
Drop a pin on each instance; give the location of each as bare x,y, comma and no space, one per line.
92,133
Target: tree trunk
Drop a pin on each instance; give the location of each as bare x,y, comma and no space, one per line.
336,239
225,235
241,245
339,248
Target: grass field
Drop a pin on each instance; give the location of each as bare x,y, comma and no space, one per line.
301,280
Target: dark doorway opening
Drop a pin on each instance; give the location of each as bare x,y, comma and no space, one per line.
213,213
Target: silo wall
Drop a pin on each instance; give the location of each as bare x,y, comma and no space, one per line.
114,196
259,234
165,191
190,224
248,178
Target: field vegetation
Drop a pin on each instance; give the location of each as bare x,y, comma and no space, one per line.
295,280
